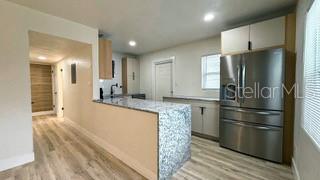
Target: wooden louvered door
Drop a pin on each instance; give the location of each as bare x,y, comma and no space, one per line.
41,87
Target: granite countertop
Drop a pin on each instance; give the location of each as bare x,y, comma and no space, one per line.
142,105
174,130
193,98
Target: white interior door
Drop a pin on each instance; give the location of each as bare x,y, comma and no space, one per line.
163,80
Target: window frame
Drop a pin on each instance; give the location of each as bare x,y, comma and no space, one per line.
202,73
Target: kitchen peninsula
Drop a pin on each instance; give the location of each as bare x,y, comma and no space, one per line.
172,133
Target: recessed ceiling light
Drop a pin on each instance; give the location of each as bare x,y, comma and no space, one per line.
42,58
132,43
208,17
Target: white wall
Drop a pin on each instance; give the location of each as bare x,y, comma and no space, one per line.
306,154
187,70
15,92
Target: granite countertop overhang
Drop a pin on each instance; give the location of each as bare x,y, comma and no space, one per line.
193,98
142,105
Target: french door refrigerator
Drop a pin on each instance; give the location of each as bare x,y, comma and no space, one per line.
251,103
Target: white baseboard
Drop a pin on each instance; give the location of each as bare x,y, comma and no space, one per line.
42,113
295,170
134,164
16,161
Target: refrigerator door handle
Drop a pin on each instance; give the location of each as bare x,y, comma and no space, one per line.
252,126
238,83
243,83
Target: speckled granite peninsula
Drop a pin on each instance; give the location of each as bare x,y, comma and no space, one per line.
174,130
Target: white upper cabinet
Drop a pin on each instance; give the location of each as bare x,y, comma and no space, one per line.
260,35
268,33
235,40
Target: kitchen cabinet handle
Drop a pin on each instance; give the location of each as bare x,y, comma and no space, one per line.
249,45
133,76
202,110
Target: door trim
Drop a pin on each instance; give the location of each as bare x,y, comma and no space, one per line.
59,70
162,61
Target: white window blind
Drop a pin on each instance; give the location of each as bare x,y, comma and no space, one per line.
311,115
211,71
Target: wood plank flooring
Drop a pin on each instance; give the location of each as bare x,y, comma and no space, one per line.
61,152
209,161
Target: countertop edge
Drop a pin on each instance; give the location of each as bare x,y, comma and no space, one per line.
118,105
193,98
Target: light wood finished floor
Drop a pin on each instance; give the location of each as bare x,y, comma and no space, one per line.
209,161
63,153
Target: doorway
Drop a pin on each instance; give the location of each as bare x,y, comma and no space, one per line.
163,78
51,52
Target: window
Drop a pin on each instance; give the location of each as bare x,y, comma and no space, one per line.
311,102
211,71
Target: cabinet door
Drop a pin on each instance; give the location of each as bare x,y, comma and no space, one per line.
130,66
196,119
136,75
268,33
130,85
105,59
235,40
211,121
130,82
133,78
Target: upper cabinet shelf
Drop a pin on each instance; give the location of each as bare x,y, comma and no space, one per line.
256,36
105,59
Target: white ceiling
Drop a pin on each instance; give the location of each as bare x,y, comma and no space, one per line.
52,47
157,24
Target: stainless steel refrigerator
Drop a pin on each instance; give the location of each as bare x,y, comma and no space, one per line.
252,123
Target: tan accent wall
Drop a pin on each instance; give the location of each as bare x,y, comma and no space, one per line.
128,134
289,83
